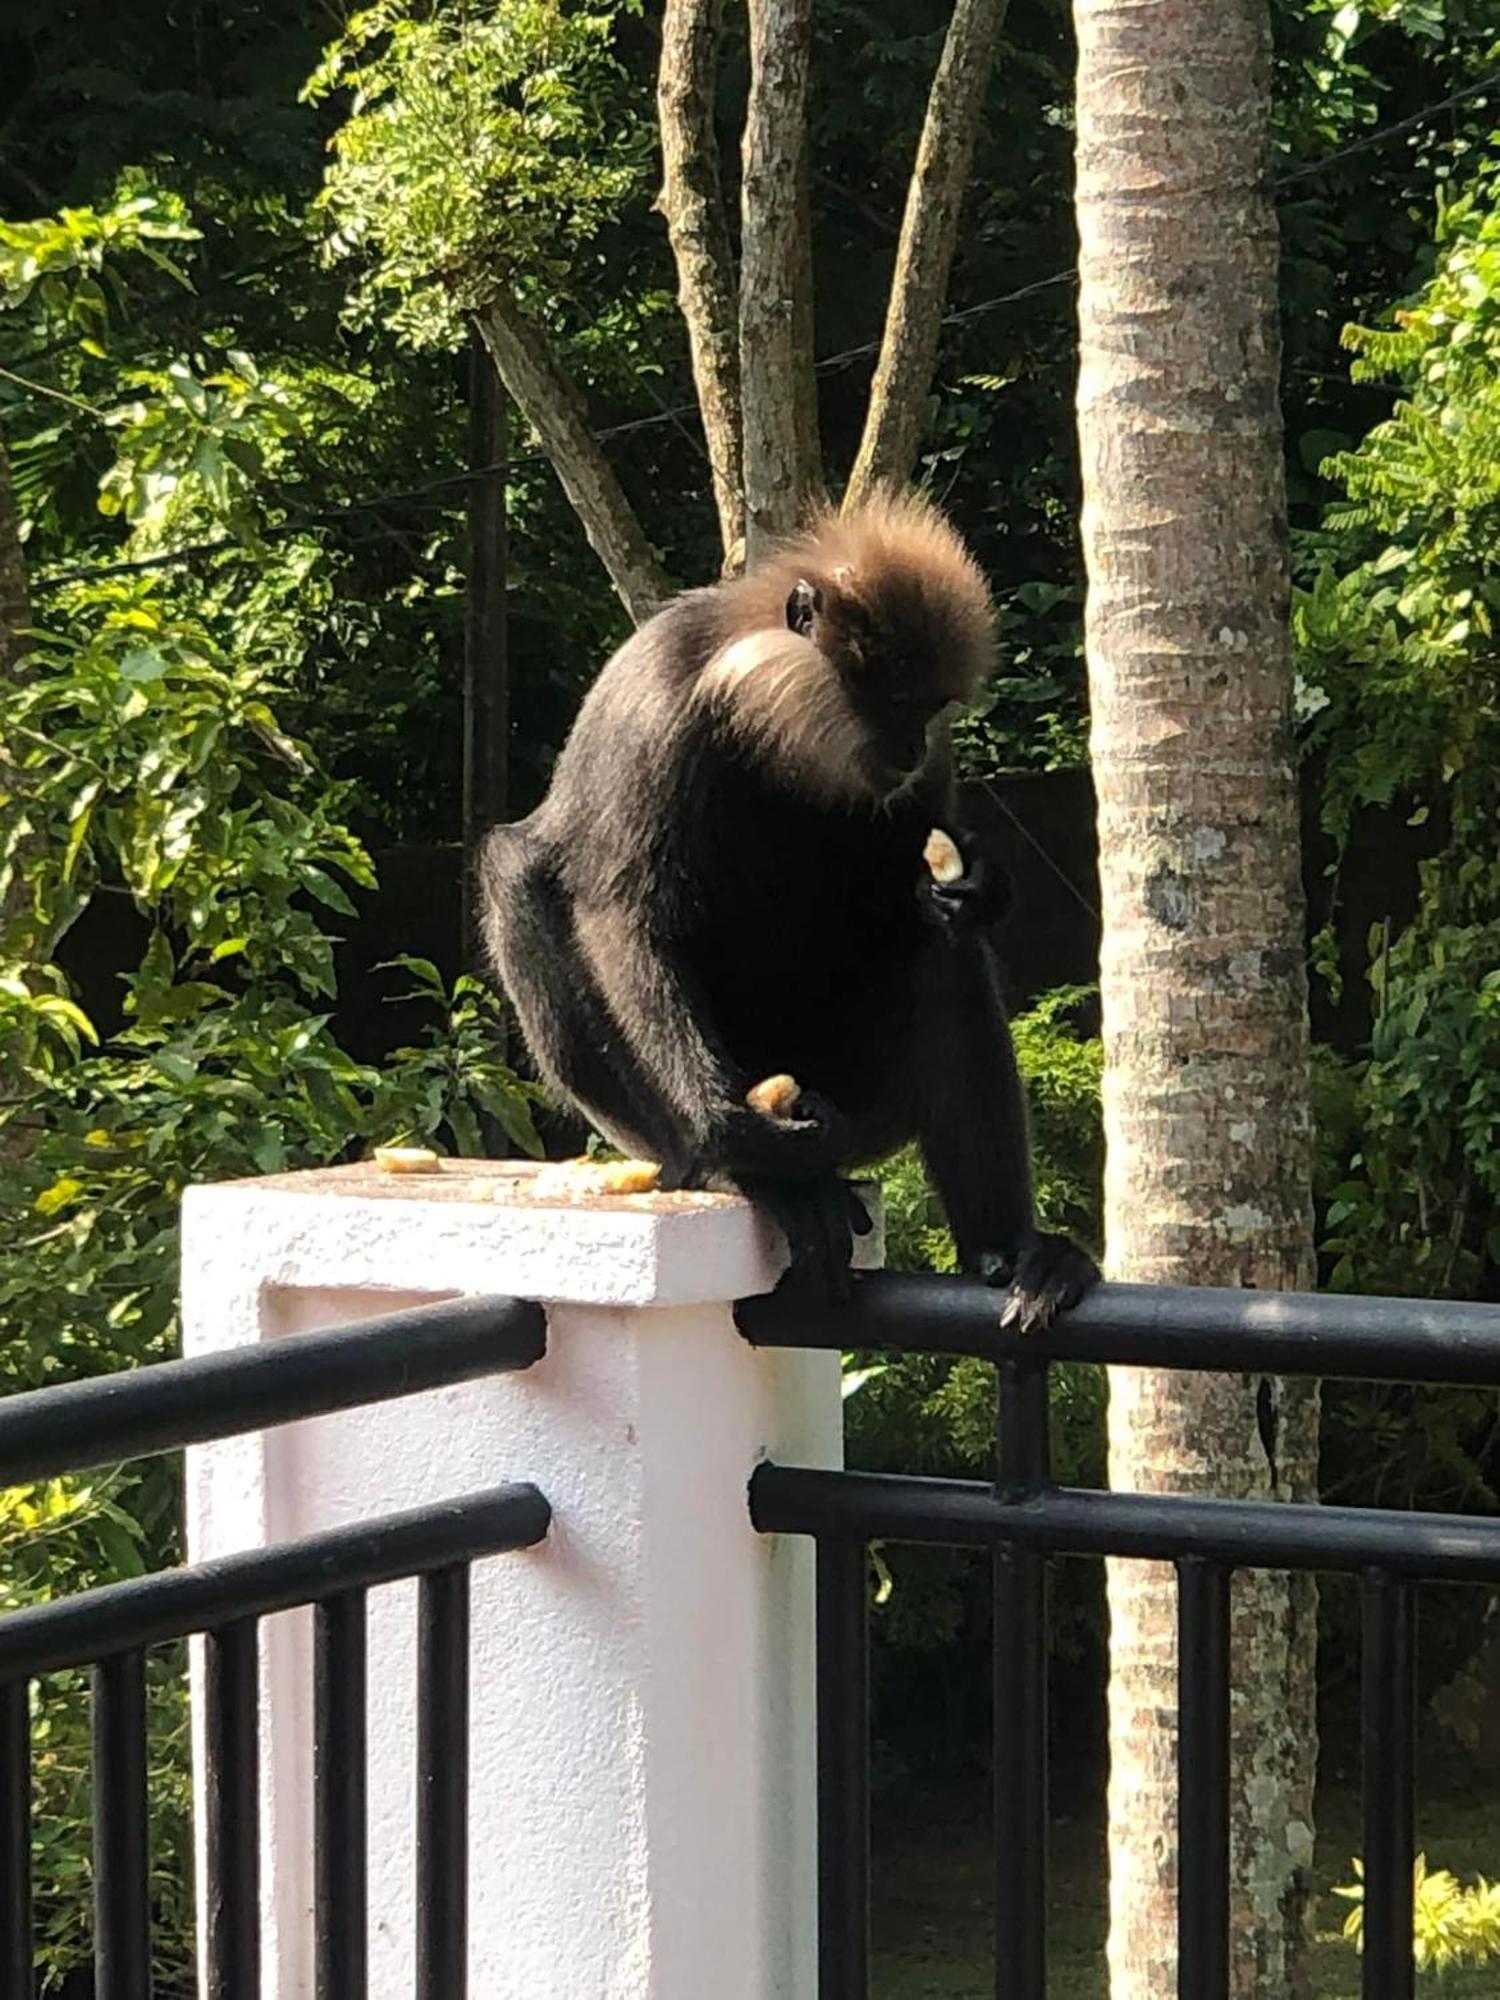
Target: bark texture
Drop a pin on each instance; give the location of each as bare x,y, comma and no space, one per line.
778,388
692,201
1203,977
924,256
550,402
486,780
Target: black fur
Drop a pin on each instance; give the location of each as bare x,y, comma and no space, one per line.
677,921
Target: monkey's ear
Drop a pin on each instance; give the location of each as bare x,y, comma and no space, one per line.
803,605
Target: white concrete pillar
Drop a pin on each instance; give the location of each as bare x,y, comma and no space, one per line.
642,1754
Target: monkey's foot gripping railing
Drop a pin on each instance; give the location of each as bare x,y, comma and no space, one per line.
1025,1519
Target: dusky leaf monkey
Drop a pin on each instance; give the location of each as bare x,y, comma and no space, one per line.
726,881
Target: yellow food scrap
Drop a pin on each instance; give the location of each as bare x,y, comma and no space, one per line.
574,1180
942,857
406,1160
774,1096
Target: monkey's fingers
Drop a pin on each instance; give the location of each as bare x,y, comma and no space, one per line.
1048,1275
972,901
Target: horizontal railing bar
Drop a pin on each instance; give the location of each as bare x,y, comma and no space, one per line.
1153,1326
147,1610
1245,1534
71,1426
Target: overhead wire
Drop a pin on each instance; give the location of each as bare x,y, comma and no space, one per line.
676,413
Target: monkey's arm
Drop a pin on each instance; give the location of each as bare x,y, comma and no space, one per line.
974,1137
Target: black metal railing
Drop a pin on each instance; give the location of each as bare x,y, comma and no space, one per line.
75,1426
1025,1520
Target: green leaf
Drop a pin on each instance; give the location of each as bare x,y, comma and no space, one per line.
142,664
327,891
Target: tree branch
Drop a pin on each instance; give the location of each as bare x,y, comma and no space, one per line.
550,402
692,201
778,388
924,257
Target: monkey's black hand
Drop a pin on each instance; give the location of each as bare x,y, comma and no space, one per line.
973,901
808,1145
820,1219
1046,1276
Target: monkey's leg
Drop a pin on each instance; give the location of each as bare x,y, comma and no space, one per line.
786,1164
972,1128
663,1018
563,1016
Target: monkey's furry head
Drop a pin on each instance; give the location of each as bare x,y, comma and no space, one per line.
897,573
842,649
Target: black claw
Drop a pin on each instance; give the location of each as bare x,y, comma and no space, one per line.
1046,1276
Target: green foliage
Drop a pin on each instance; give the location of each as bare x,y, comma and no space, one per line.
1029,717
143,760
66,268
57,1538
1414,1192
1395,630
486,146
1454,1924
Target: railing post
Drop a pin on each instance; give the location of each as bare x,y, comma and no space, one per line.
642,1766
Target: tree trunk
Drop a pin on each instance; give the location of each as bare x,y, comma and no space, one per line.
486,678
778,388
550,402
929,233
1202,969
692,202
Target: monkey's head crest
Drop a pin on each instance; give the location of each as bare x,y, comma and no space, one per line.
891,583
843,648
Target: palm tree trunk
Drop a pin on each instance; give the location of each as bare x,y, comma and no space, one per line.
1202,971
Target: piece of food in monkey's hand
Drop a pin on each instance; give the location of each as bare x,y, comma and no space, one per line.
774,1096
944,862
406,1160
575,1180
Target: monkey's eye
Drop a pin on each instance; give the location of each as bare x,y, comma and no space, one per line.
802,606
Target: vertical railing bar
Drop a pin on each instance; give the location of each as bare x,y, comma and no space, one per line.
122,1887
1024,1425
443,1784
341,1833
17,1974
1020,1677
1388,1724
1202,1780
1020,1730
843,1770
231,1695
